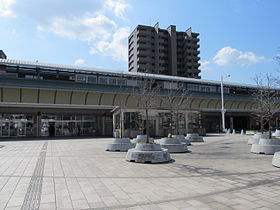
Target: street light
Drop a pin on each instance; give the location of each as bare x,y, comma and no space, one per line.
222,96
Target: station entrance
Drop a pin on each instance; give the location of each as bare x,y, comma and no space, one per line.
54,122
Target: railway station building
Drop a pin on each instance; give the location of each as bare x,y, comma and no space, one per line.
38,99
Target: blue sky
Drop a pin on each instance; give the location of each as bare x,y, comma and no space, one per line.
237,37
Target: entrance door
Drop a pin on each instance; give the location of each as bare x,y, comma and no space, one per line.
5,127
21,128
109,128
52,129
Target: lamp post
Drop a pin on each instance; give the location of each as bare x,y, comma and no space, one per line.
223,109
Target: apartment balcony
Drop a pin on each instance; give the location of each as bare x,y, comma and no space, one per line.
144,46
160,47
143,32
188,52
146,59
163,63
195,58
163,70
144,53
188,65
162,54
195,46
195,39
143,66
188,59
195,34
196,52
144,39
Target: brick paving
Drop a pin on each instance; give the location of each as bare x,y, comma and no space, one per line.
219,173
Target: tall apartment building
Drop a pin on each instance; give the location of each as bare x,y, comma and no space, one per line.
2,55
164,51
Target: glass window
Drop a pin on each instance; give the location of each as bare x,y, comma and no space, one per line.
65,117
112,81
58,128
89,128
170,85
164,120
182,121
193,87
103,80
81,78
92,79
117,121
89,117
121,82
58,117
131,82
132,120
226,90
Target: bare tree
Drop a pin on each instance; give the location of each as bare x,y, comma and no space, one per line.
175,99
265,100
147,92
122,89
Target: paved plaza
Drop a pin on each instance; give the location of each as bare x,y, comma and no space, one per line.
219,173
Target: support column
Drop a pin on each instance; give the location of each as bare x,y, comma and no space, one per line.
37,124
186,121
103,125
231,123
122,123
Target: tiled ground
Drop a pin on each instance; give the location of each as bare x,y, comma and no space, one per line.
220,173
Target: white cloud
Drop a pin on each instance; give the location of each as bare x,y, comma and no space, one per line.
84,29
102,33
204,65
79,61
5,8
117,6
99,23
230,56
117,48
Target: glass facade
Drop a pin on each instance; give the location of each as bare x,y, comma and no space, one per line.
68,125
16,125
20,125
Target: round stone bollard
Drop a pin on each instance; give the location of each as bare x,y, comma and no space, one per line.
276,133
174,145
276,159
148,153
182,139
194,137
120,145
266,146
142,139
242,132
256,138
250,132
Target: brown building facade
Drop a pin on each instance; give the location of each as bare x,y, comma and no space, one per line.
164,51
